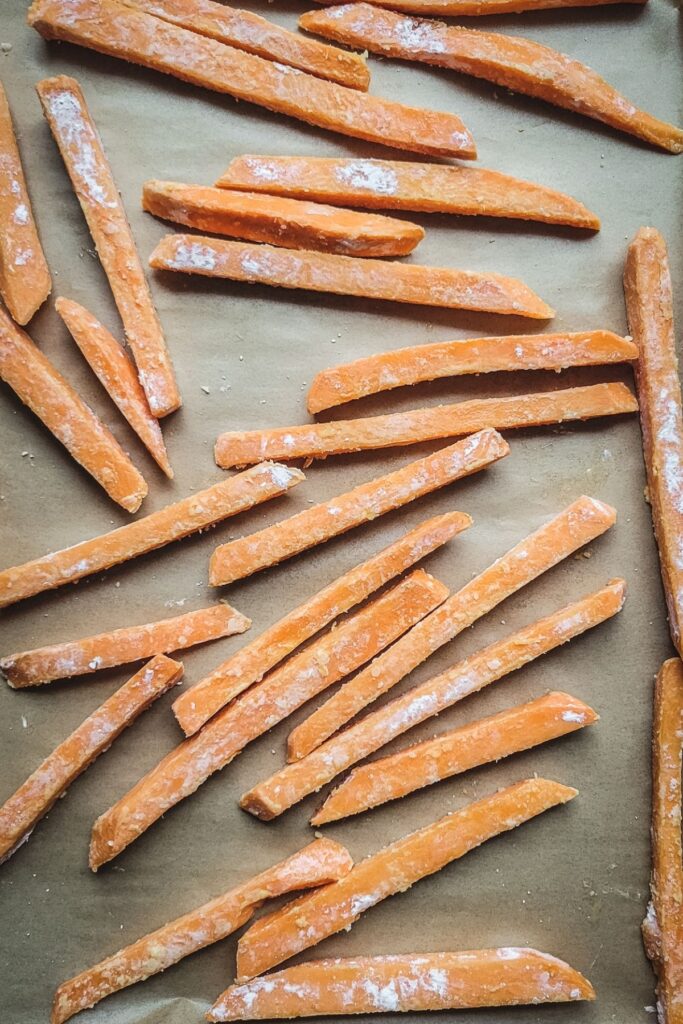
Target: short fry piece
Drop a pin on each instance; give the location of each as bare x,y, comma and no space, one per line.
205,508
321,862
24,276
288,223
347,275
22,811
462,8
511,61
58,405
81,148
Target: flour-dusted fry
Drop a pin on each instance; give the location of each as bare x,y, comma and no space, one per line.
461,8
511,61
200,510
24,809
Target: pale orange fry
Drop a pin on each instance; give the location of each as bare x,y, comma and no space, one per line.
462,8
23,810
81,148
24,276
511,61
199,511
58,405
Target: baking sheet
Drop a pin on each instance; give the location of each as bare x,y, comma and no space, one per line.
573,882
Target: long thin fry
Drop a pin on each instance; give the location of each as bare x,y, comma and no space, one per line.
200,510
511,61
462,8
24,809
347,275
322,861
577,525
108,27
295,781
58,405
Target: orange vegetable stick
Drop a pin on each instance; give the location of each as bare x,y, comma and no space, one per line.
313,918
461,8
322,861
346,275
578,524
450,753
205,508
24,809
511,61
81,148
408,982
319,523
295,781
649,305
58,405
663,927
404,366
24,277
109,27
288,223
399,185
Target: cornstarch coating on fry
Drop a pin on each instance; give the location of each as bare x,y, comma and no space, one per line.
460,8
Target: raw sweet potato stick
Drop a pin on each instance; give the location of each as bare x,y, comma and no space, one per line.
81,148
461,8
22,811
511,61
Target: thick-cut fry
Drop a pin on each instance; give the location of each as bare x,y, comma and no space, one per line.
312,918
81,148
347,275
649,305
322,861
462,8
315,525
295,781
108,27
404,366
318,440
200,510
511,61
58,405
394,185
24,276
663,925
580,523
289,223
22,811
408,983
423,764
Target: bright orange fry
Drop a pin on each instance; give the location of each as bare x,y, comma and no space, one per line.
462,8
511,61
295,781
24,809
347,275
58,405
24,276
81,148
109,27
116,374
289,223
578,524
200,510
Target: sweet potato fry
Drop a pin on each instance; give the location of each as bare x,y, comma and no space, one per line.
24,809
319,523
578,524
488,739
295,781
289,223
58,405
200,510
403,366
408,982
462,8
108,27
24,276
347,275
322,861
511,61
81,148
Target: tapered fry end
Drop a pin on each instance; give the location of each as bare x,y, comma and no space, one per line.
604,514
324,816
132,502
617,587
